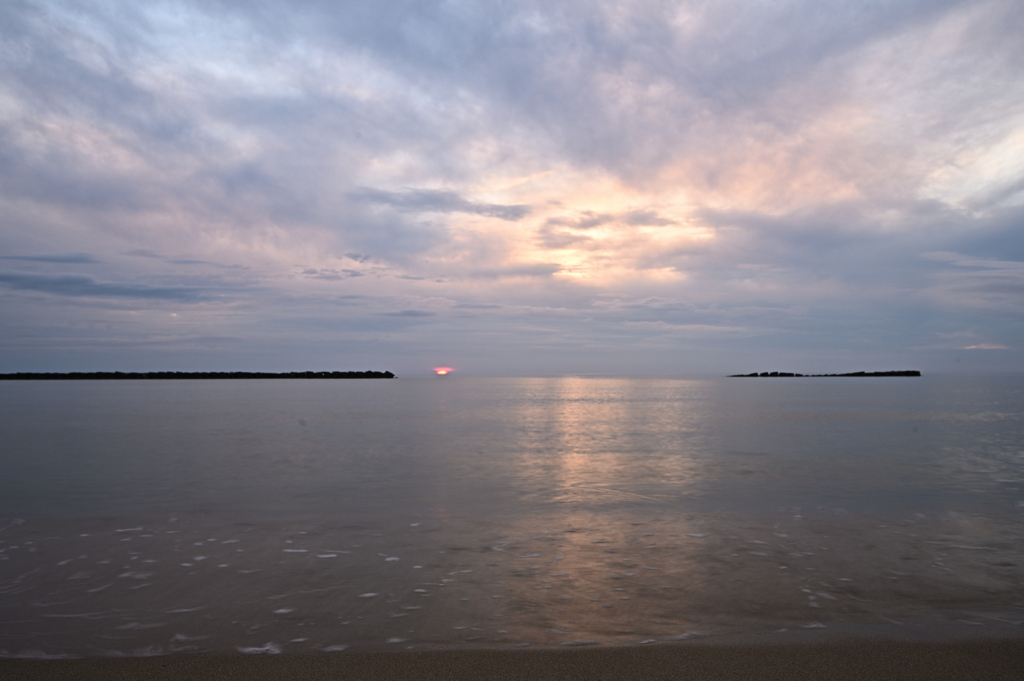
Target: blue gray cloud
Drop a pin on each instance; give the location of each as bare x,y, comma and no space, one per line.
58,258
82,286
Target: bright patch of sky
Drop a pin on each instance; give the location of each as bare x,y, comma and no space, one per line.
512,188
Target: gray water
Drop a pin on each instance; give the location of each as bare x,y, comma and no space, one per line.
154,517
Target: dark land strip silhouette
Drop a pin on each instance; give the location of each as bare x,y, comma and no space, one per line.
856,374
173,375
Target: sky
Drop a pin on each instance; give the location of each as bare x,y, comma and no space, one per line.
512,188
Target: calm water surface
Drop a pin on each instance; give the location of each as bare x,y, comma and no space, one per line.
154,517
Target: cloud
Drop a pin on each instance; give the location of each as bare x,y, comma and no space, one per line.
331,274
646,218
517,271
983,284
550,237
81,286
433,201
66,258
409,313
589,219
985,346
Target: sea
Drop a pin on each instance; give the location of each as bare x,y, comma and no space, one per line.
175,517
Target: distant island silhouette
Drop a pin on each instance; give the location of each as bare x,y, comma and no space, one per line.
785,374
172,375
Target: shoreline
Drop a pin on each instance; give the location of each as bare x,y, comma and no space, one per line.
879,659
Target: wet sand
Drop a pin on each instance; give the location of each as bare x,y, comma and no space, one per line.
829,661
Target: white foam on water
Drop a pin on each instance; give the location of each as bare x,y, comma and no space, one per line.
266,649
337,648
390,559
326,555
397,640
177,610
368,595
284,611
98,589
298,640
295,551
36,654
127,529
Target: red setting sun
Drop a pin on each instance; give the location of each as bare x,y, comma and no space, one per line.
443,371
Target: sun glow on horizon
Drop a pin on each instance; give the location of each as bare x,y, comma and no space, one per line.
443,371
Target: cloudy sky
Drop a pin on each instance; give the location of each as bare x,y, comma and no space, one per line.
520,188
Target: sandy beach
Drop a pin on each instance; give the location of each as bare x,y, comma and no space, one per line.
859,660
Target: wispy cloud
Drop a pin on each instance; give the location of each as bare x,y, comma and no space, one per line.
81,286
